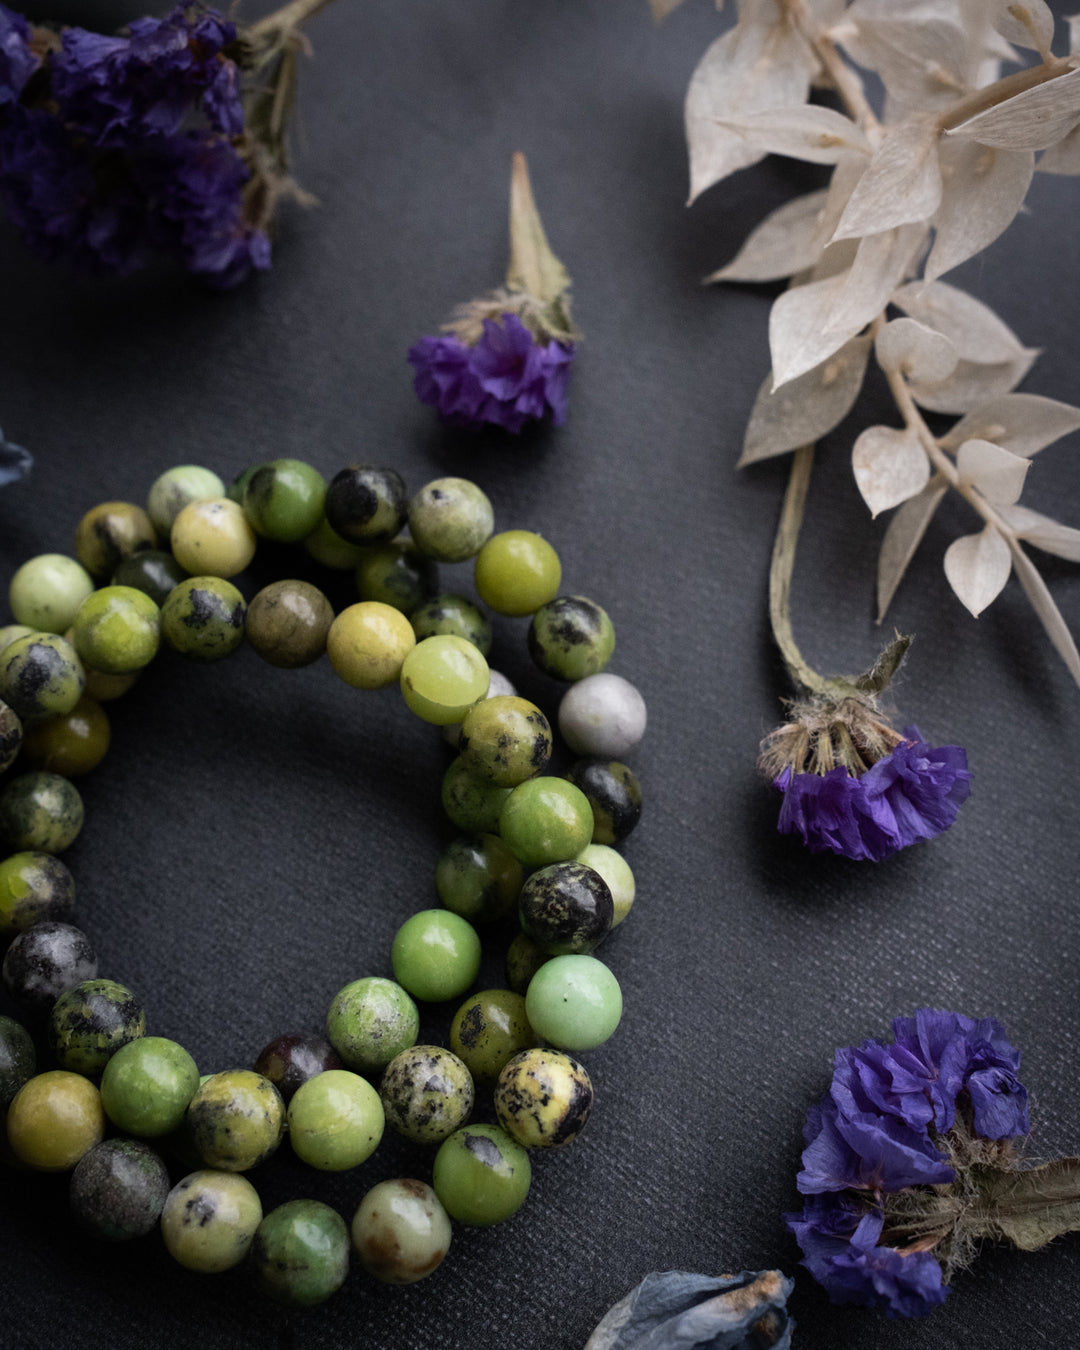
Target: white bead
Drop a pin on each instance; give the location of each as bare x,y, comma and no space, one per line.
602,715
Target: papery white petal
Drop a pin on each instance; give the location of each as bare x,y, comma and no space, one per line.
1030,120
1022,423
1049,614
845,177
1028,23
972,384
977,567
881,261
984,188
918,50
1063,157
973,328
903,536
805,409
787,241
921,353
902,184
998,474
1049,535
890,466
817,135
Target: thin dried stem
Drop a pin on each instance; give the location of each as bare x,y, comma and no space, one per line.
292,15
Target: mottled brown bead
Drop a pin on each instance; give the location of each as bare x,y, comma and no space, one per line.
111,532
287,623
291,1059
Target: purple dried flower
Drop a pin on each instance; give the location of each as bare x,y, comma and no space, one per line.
17,60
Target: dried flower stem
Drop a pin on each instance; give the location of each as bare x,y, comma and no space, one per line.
285,19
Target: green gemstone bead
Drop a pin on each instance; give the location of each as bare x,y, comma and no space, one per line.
210,1219
238,486
574,1002
488,1030
40,676
328,548
479,878
153,571
451,519
236,1119
110,532
616,871
91,1022
370,1021
505,740
175,488
435,955
546,820
365,504
116,630
18,1060
283,500
11,736
400,1231
571,637
335,1120
452,616
34,888
543,1098
300,1253
10,631
40,812
147,1085
566,908
46,591
481,1175
427,1093
523,959
516,572
472,804
72,744
203,618
614,794
118,1190
442,677
288,622
397,574
54,1119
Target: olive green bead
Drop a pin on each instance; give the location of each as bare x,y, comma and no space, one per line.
365,504
238,486
147,1085
546,820
471,803
488,1030
329,549
288,622
11,736
175,488
153,571
571,637
110,532
210,1219
40,812
300,1253
116,630
34,888
452,616
18,1059
516,572
370,1021
400,1231
505,740
478,877
397,574
70,745
543,1098
40,676
335,1120
481,1175
46,592
451,519
203,618
427,1093
54,1119
442,677
91,1022
524,957
236,1119
283,500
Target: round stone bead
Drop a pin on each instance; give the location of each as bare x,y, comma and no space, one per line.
481,1175
203,618
368,643
505,740
523,959
616,871
370,1021
300,1253
427,1093
488,1030
40,676
543,1098
238,486
516,572
335,1120
71,744
210,1219
34,887
435,955
498,685
10,631
290,1060
153,571
18,1059
442,677
11,737
235,1119
602,715
45,961
574,1002
328,549
566,908
451,519
571,637
452,616
283,500
614,794
471,803
400,1231
398,574
478,877
147,1085
54,1119
118,1190
288,622
546,820
365,504
175,489
46,591
110,532
91,1022
213,538
116,630
40,812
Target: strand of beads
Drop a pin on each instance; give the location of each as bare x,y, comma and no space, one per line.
531,843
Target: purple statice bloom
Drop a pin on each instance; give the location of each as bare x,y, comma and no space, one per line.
911,794
508,378
17,61
839,1241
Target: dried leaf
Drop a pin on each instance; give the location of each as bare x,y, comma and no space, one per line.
1030,120
1049,614
903,537
787,241
890,466
972,384
977,567
902,184
918,352
919,52
1064,157
845,177
1022,423
752,66
1049,535
973,328
881,261
1028,23
998,474
805,409
817,135
984,188
662,8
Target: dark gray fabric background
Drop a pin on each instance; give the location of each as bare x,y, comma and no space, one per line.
255,837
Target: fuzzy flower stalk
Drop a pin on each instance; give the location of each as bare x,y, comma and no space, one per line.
506,356
913,1158
168,138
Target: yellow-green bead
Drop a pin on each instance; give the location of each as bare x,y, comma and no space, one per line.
283,500
175,489
116,630
35,888
505,740
203,618
435,955
11,737
370,1021
10,631
210,1219
442,677
328,548
488,1030
481,1175
40,676
616,871
543,1098
236,1119
367,644
54,1119
110,532
335,1120
213,538
516,572
546,820
47,590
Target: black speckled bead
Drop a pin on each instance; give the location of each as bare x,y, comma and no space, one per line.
365,504
543,1098
566,908
40,812
45,962
291,1059
11,736
18,1060
614,794
203,618
34,887
427,1093
571,637
118,1190
91,1022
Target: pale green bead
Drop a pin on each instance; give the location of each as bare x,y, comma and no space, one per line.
46,592
209,1220
615,870
442,677
172,491
574,1002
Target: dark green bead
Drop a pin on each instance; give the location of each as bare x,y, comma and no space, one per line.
287,623
479,878
283,500
18,1061
471,803
300,1255
33,887
571,637
40,812
523,959
365,504
118,1189
238,486
397,574
566,909
488,1030
614,794
11,736
91,1022
153,571
452,616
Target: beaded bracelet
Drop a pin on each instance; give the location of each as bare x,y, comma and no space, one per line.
530,841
